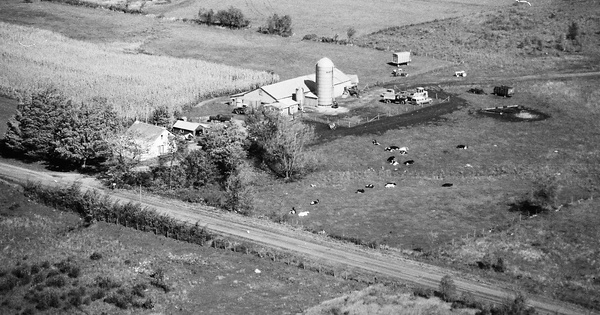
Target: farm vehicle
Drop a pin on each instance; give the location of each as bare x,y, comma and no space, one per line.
390,96
399,73
459,74
504,90
351,91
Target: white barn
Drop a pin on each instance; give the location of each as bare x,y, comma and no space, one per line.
301,90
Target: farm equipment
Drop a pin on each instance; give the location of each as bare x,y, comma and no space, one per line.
399,73
460,74
221,118
351,91
390,96
504,90
419,97
401,58
476,91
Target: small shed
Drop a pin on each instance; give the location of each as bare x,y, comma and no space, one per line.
284,107
189,128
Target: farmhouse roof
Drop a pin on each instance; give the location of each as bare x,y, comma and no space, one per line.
145,132
187,125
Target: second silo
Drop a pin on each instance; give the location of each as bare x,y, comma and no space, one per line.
325,82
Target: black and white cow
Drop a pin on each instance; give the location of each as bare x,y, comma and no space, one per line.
375,142
409,162
369,186
360,191
392,160
392,148
462,146
314,202
447,185
390,185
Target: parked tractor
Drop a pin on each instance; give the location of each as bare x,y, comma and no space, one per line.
352,91
399,73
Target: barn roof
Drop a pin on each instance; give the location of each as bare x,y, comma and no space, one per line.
145,132
187,125
285,89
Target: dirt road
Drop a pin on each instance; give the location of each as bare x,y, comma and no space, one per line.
280,237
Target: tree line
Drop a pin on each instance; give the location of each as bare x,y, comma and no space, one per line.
235,19
90,137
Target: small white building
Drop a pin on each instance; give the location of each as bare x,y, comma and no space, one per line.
183,127
153,141
284,107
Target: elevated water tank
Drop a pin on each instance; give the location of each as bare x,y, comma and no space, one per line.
325,82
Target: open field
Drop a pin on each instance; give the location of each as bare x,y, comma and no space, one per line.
133,84
200,279
318,17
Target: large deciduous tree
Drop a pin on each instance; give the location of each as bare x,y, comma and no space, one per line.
281,143
225,147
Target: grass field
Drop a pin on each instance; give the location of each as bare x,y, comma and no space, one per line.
457,226
198,278
322,18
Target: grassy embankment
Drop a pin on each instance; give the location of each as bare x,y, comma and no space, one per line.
134,84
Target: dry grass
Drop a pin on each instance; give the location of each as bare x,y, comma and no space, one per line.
381,300
225,280
134,84
323,18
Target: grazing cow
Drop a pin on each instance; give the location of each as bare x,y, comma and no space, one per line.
360,191
403,149
462,146
313,185
392,148
293,211
314,202
375,142
392,160
303,213
369,186
409,162
402,152
390,185
447,185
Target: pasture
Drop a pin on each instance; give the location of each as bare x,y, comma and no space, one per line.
318,17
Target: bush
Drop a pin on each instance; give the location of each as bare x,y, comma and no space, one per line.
159,280
311,37
8,283
448,289
95,256
423,292
278,25
58,281
232,18
106,283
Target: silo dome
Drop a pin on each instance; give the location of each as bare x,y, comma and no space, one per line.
325,82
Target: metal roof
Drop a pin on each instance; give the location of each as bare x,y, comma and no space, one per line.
145,132
285,89
187,125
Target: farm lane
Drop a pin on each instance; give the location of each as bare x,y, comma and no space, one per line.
277,236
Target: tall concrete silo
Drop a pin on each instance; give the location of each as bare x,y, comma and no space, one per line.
325,82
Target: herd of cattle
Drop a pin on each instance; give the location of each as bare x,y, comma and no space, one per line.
392,161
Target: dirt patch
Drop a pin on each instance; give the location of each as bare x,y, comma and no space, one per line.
513,113
423,115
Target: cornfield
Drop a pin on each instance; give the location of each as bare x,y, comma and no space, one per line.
136,84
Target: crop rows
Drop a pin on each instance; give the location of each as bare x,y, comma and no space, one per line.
32,59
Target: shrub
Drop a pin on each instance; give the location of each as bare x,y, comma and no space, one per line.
8,283
158,280
232,18
121,299
139,289
423,292
447,289
98,294
106,283
58,281
311,37
278,25
95,256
